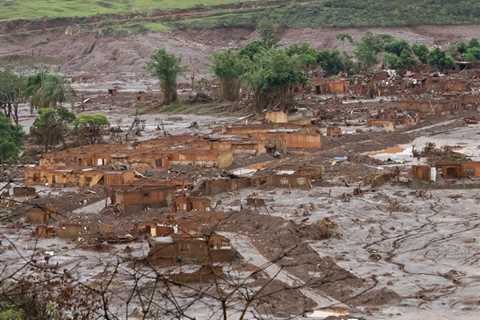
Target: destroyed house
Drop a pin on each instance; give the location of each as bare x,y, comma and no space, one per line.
446,84
166,142
180,224
85,156
439,106
292,136
164,159
330,86
184,249
238,145
191,203
452,169
423,172
334,131
290,176
276,117
133,198
87,177
393,118
447,170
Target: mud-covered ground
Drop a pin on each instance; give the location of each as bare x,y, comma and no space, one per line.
111,60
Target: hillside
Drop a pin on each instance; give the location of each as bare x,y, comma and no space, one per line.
228,13
21,9
353,13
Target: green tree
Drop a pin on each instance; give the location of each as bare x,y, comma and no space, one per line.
440,60
472,54
367,49
333,62
229,66
474,43
11,139
421,51
273,76
252,48
90,128
46,90
269,32
461,47
400,62
305,53
12,90
397,46
51,126
166,67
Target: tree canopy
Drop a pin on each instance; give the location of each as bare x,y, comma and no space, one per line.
229,66
333,62
166,67
273,76
440,60
11,139
252,48
46,90
91,126
307,55
51,126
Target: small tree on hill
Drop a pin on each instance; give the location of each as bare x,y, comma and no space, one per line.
91,127
166,67
11,139
51,126
269,32
229,66
273,76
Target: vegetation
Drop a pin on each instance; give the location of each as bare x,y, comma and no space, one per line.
333,62
440,60
51,126
399,55
11,140
367,49
252,48
17,9
12,91
305,53
11,313
319,13
273,75
229,66
421,51
166,67
269,32
90,128
46,90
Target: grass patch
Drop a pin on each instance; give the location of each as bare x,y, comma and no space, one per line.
29,9
156,27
